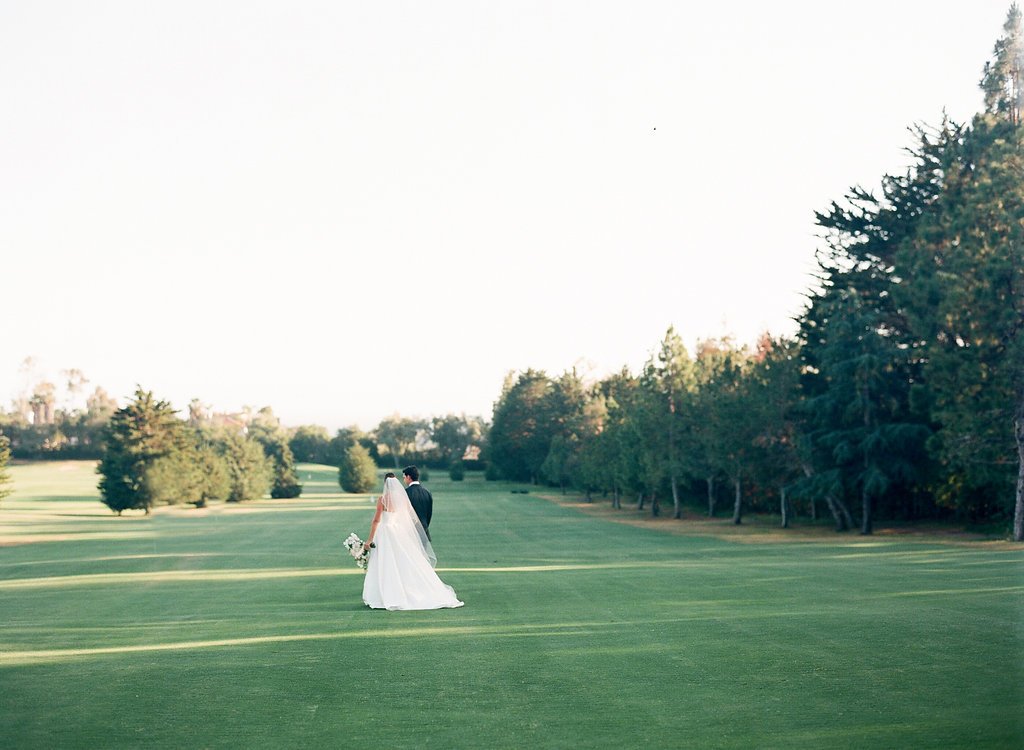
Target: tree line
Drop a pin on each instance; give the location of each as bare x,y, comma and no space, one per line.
901,396
149,456
452,442
152,457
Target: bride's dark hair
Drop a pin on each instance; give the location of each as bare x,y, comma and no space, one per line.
390,475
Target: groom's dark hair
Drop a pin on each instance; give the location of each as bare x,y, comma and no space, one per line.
412,472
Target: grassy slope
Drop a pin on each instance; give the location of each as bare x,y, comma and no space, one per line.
243,626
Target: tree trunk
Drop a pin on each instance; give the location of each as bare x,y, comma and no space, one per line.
832,502
1018,513
640,501
814,502
785,508
655,506
589,498
711,495
677,508
737,511
865,521
845,511
616,503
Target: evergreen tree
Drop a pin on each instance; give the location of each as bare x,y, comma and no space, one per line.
357,472
607,459
866,432
1003,80
286,478
175,478
775,379
962,289
137,435
249,470
520,436
574,415
670,376
556,468
267,431
713,359
215,484
646,439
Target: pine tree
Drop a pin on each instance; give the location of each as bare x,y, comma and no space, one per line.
775,379
523,426
1003,80
215,485
865,430
670,376
962,290
136,436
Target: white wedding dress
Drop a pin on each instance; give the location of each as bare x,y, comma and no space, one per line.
400,571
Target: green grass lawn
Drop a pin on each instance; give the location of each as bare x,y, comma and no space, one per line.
242,626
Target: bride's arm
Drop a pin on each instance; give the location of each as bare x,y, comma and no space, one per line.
376,520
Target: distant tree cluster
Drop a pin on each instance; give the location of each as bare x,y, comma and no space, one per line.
151,457
901,396
51,422
451,442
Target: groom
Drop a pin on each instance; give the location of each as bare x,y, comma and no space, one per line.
419,497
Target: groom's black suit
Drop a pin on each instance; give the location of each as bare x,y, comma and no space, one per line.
422,502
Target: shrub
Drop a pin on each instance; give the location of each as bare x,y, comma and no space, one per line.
491,473
357,472
457,471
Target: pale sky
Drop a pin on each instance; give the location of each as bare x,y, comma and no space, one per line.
350,209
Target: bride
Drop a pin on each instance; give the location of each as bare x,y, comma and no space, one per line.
400,571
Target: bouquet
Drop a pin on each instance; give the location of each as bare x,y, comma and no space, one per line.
360,552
